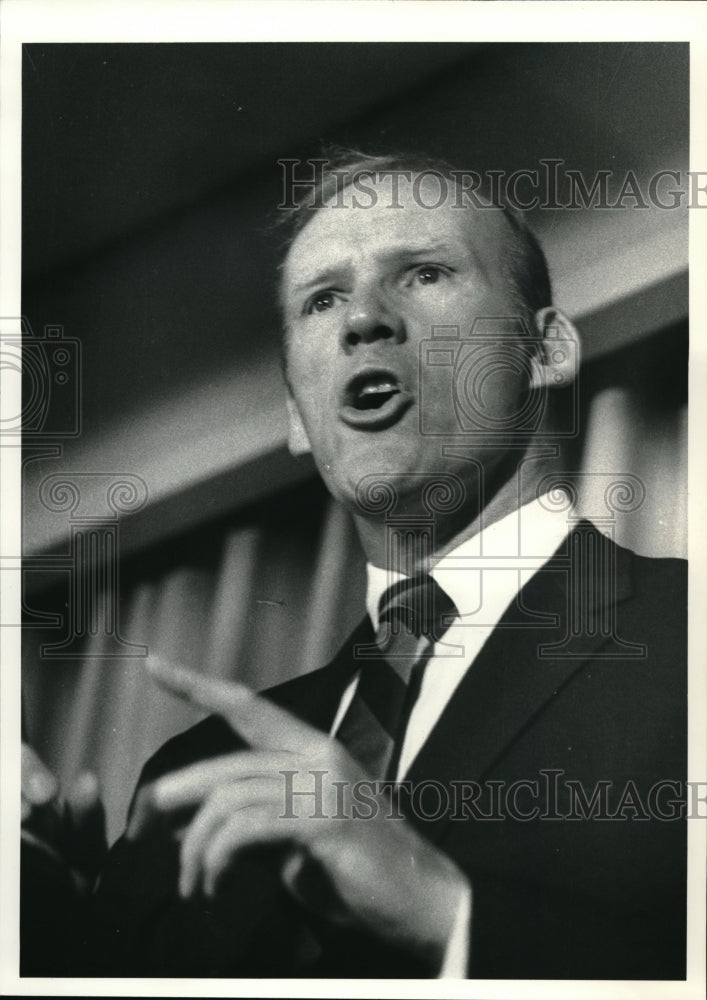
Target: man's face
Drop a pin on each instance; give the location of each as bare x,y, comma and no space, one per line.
362,289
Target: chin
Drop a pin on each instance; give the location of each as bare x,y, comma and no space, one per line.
387,474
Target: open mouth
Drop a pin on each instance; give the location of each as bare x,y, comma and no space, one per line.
374,399
370,392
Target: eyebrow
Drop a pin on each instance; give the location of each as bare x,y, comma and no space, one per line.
326,276
322,278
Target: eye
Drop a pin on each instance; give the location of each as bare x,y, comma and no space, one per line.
320,302
428,274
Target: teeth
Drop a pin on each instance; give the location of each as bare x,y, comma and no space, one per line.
385,385
371,392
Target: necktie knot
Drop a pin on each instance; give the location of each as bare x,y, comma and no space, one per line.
416,608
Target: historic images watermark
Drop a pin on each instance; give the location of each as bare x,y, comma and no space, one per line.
550,185
549,796
48,367
468,366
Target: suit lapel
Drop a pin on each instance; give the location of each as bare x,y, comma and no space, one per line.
509,683
315,697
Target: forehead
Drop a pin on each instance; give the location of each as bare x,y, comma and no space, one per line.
358,228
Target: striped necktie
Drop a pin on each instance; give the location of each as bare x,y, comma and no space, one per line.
413,614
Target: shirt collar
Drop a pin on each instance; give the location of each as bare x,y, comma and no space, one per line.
534,530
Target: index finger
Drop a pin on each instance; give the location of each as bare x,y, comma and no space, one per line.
262,724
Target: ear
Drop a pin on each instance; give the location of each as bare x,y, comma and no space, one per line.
559,350
298,441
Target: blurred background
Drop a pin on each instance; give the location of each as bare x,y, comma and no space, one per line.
150,177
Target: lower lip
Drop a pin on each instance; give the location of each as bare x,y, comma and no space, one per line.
377,420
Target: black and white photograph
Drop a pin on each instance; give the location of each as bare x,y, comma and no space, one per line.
353,520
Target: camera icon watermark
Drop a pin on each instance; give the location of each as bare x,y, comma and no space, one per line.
497,381
46,371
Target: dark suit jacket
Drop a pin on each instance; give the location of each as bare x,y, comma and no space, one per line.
583,681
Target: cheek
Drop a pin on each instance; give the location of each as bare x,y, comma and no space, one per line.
311,355
307,375
493,389
477,305
311,387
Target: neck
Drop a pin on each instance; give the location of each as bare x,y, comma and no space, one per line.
418,553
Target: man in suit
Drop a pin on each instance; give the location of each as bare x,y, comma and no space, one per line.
518,674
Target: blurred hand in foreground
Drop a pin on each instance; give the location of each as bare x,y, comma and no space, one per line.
355,868
70,827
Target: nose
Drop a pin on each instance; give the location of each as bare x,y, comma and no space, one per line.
370,318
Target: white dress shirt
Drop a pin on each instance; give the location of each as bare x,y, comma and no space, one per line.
482,575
